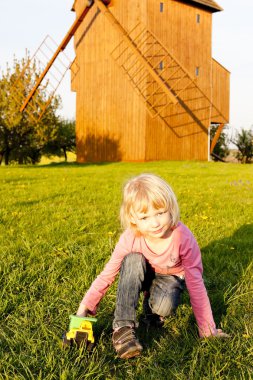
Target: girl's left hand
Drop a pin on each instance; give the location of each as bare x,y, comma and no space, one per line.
221,334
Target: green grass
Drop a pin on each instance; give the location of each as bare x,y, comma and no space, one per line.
58,226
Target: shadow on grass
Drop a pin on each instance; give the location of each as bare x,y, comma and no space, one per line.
61,165
224,263
37,201
71,164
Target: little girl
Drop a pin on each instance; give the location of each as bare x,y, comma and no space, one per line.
156,254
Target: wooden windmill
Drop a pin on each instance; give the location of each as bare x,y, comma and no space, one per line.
147,86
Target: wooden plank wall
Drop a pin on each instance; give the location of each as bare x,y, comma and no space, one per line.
190,43
221,89
111,120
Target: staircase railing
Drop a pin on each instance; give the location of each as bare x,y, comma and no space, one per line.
168,90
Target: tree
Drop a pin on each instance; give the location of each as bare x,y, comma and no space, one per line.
244,144
64,140
22,137
221,148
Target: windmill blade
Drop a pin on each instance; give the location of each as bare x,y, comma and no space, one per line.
61,47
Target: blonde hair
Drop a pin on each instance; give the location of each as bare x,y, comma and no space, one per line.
144,192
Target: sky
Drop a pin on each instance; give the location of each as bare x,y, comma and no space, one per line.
25,24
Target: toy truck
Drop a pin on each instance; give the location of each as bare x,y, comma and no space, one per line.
80,332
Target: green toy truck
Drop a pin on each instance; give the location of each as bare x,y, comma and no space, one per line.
80,332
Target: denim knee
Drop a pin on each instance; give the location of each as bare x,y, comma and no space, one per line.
135,265
165,294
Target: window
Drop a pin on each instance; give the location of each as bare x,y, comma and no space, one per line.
161,65
198,18
161,7
197,71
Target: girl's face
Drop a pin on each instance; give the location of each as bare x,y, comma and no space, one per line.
154,224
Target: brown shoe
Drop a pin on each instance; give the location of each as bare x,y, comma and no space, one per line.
125,343
150,319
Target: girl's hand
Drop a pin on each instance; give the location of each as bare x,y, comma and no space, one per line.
82,311
221,334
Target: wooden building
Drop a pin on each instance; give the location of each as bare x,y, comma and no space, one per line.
147,87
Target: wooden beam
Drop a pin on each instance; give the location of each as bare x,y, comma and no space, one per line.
216,137
117,25
60,48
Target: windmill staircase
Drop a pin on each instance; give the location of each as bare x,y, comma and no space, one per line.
166,87
168,90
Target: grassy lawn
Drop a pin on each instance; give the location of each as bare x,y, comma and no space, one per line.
58,226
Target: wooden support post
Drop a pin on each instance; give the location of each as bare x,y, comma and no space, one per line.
216,137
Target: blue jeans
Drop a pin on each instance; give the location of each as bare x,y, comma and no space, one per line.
137,275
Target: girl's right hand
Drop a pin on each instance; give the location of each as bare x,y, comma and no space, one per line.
82,311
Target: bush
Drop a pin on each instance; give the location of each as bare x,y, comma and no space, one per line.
244,144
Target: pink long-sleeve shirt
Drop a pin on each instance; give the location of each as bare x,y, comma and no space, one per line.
182,257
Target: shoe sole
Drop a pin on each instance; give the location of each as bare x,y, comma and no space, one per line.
129,355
